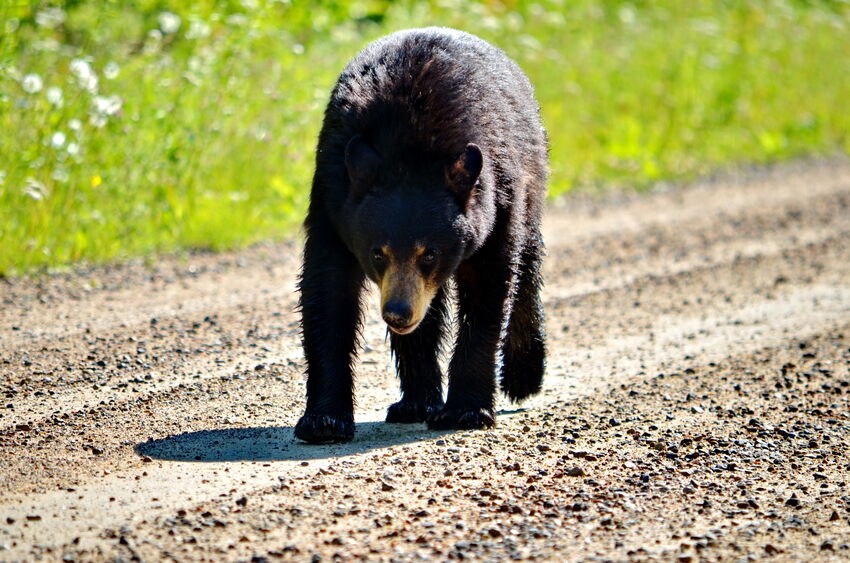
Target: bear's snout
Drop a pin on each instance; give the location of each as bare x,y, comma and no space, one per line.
398,315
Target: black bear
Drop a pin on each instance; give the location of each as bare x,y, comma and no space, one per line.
431,167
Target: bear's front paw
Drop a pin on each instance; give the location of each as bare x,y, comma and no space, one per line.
462,419
324,429
407,412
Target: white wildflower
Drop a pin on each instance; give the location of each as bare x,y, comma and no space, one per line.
50,17
627,14
54,96
237,20
97,216
32,84
73,149
12,72
196,65
97,120
104,105
47,45
79,66
75,125
86,76
60,175
35,189
57,140
198,29
153,42
110,71
169,22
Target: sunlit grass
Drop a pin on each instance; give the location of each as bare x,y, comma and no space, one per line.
128,128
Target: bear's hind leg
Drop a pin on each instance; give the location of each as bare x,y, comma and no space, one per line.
524,348
417,361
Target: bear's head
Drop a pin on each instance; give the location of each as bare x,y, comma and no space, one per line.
412,224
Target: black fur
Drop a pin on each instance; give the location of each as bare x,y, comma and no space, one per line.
431,136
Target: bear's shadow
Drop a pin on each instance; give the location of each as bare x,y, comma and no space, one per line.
276,443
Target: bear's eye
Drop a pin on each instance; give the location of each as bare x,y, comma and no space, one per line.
429,257
378,256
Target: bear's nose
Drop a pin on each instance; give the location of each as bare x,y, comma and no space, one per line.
397,314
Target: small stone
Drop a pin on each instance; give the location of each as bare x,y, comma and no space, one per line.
574,472
386,486
242,501
832,517
33,517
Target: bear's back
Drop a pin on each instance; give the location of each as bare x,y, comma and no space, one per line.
434,90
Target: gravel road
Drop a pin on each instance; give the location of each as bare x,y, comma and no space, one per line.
696,403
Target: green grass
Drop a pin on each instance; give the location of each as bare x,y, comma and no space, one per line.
204,137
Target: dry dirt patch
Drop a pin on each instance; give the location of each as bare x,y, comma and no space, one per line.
695,407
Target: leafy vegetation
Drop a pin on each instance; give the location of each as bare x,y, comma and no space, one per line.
128,128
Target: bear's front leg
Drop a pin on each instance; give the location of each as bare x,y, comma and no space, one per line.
482,292
417,362
330,285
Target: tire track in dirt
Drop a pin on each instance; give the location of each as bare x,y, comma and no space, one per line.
633,288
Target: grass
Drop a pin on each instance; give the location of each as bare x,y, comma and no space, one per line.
131,128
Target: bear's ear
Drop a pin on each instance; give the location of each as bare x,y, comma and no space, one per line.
462,175
362,162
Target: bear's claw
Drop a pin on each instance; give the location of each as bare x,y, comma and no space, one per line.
324,429
462,419
406,412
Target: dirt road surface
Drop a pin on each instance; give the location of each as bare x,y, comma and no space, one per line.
696,403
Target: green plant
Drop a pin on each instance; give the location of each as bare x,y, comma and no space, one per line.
129,128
